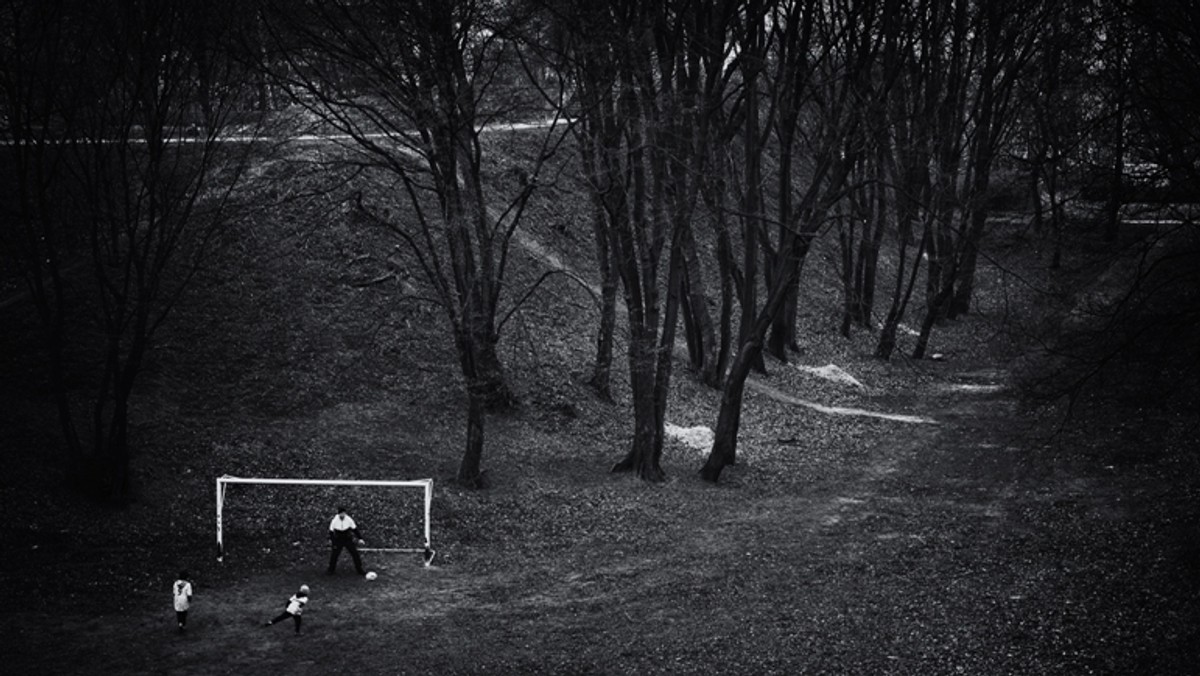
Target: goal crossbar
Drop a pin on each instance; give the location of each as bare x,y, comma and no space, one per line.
425,484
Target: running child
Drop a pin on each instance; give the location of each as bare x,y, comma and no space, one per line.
295,607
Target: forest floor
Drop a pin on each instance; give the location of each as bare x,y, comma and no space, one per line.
995,539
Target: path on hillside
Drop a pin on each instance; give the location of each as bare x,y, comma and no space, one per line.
551,260
530,244
23,294
536,249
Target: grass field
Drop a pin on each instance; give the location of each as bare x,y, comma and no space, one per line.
979,544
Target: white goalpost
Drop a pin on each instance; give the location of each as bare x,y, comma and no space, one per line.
426,485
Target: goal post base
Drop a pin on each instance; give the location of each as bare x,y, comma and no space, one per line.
427,553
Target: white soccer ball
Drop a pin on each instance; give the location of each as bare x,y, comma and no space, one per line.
371,575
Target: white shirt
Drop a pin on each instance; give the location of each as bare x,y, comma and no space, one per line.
342,523
296,604
183,595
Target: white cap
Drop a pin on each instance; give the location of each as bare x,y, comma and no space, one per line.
304,588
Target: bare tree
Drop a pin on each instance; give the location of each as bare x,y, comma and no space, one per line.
910,139
619,100
413,84
114,209
1008,31
873,193
1053,120
650,78
949,123
835,72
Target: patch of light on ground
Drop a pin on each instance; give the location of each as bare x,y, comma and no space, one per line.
778,395
968,387
699,437
832,372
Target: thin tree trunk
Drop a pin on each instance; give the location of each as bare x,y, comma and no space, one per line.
666,352
849,297
751,223
900,299
724,450
728,270
470,473
601,380
782,334
701,335
964,272
868,265
931,315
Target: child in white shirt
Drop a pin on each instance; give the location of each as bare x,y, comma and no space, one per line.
182,592
295,607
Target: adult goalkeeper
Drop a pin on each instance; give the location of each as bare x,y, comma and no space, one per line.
343,534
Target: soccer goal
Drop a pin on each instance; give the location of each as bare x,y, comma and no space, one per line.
424,485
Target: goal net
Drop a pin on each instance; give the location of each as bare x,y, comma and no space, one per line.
392,515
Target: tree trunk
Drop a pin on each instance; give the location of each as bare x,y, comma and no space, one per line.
782,336
891,323
724,450
642,458
931,315
728,270
486,388
887,336
699,324
751,223
714,197
868,265
666,352
962,292
850,301
964,272
636,233
470,473
941,258
601,380
487,373
691,335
